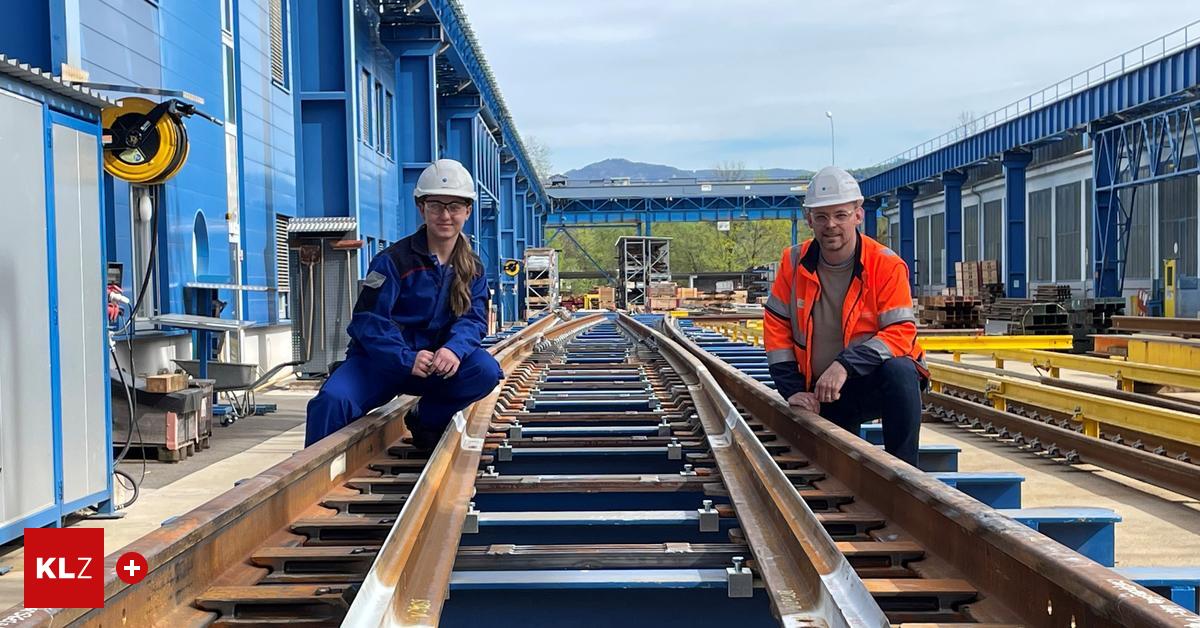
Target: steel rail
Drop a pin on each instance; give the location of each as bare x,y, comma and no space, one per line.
409,580
1091,410
1021,570
1125,373
808,578
1185,327
188,554
1162,471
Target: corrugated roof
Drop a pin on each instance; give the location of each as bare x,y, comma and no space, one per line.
322,224
49,82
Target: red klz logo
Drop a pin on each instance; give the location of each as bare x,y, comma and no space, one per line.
64,567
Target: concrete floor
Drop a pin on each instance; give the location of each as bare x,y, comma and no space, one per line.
1159,528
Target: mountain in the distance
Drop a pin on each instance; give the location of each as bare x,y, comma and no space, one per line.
639,171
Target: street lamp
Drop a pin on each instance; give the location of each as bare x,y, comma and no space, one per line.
832,140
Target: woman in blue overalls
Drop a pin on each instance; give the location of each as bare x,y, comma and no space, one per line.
418,322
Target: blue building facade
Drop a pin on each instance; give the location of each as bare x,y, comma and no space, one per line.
330,109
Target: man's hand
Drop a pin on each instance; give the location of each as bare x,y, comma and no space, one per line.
445,363
805,400
423,364
829,385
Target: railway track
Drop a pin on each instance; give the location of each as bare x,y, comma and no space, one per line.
619,475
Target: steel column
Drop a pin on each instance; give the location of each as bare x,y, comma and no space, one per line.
1014,263
871,216
952,183
908,245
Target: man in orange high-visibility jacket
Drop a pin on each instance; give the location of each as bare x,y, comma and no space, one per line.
841,337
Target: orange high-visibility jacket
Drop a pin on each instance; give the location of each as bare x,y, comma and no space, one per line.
877,317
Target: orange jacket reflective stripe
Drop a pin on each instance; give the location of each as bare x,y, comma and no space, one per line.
878,322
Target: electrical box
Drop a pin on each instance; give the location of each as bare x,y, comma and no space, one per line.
55,440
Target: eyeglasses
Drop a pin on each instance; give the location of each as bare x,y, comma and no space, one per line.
839,218
453,208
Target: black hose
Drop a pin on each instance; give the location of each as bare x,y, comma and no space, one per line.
137,302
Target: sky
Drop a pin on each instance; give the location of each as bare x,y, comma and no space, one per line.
697,83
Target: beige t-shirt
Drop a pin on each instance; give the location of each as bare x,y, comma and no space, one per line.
827,337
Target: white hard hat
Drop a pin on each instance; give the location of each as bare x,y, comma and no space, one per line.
831,186
445,177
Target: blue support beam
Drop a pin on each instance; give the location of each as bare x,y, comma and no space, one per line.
952,183
871,216
458,143
908,244
598,211
415,50
1153,84
1016,285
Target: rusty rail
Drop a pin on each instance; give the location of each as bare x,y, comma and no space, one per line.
1017,571
206,544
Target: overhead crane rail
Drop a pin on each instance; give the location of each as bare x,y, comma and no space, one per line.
620,473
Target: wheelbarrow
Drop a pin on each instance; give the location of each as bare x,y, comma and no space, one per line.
237,382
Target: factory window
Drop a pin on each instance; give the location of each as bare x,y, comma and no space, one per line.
1137,259
230,85
1068,233
388,133
937,248
1177,223
283,263
227,16
894,235
364,106
279,48
922,252
1088,229
970,233
993,231
378,116
1041,230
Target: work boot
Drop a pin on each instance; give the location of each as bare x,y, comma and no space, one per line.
424,440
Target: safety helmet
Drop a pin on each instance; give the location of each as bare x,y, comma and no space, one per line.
445,177
831,186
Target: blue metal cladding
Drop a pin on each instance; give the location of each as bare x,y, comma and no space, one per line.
25,32
268,149
378,174
327,113
1165,77
177,46
1017,283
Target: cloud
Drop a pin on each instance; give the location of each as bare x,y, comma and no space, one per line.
695,82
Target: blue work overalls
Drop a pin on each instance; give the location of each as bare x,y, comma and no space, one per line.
403,308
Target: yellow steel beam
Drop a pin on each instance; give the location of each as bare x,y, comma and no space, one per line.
1091,410
977,344
1124,372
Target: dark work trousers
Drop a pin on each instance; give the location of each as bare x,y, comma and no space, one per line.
359,386
892,391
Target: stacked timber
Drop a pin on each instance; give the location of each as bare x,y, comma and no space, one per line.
662,297
979,279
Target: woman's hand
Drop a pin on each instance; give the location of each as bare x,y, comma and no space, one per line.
423,363
445,363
